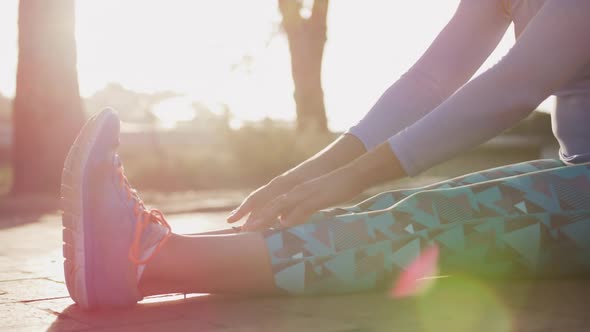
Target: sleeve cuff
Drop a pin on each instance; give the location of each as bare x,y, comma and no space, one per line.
363,136
399,146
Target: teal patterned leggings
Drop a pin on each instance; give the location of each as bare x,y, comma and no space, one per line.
525,220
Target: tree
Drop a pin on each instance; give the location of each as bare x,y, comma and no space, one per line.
307,38
47,107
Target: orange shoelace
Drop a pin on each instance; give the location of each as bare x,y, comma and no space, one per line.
143,218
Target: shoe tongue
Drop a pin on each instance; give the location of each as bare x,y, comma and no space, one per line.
153,233
117,160
118,165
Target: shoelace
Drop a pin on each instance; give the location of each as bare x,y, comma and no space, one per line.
143,218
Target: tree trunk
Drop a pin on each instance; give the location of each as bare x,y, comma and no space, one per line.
307,38
47,108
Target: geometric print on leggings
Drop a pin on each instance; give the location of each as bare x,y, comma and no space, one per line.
534,224
387,199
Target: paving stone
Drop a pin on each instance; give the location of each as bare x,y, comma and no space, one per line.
18,275
31,290
22,317
207,311
12,269
172,325
142,314
292,324
55,305
46,265
548,305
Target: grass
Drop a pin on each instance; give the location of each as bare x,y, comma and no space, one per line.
243,158
247,157
250,156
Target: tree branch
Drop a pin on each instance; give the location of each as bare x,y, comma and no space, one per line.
319,11
290,10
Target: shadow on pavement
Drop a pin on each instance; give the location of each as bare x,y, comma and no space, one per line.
21,210
451,305
10,221
218,312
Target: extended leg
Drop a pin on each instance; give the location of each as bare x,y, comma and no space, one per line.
532,224
110,236
112,240
523,225
234,263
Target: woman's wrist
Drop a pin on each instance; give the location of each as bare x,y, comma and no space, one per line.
339,154
377,166
289,179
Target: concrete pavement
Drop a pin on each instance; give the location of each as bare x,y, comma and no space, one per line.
33,297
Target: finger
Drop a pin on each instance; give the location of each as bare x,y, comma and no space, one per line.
242,210
300,213
260,226
268,215
252,225
281,205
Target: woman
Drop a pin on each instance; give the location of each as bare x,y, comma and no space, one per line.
526,219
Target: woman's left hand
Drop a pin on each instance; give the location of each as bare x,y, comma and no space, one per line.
296,206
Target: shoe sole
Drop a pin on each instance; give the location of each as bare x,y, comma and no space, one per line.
72,207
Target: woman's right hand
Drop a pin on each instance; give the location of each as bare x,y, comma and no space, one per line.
263,195
339,153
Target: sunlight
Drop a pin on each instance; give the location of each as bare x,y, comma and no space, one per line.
8,43
233,51
198,49
173,110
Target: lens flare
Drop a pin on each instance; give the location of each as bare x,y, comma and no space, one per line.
462,304
418,276
455,303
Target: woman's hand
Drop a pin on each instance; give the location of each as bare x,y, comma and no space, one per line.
343,150
262,196
296,206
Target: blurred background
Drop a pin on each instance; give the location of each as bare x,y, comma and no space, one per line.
214,95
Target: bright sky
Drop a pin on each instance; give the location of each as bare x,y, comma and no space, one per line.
193,47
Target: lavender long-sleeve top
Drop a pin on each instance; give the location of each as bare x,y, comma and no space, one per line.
430,114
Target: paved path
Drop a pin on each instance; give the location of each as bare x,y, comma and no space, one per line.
33,297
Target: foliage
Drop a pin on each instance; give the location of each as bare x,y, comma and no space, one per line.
245,157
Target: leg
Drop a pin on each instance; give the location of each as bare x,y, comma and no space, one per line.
532,224
467,222
387,199
235,263
110,237
117,250
225,231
